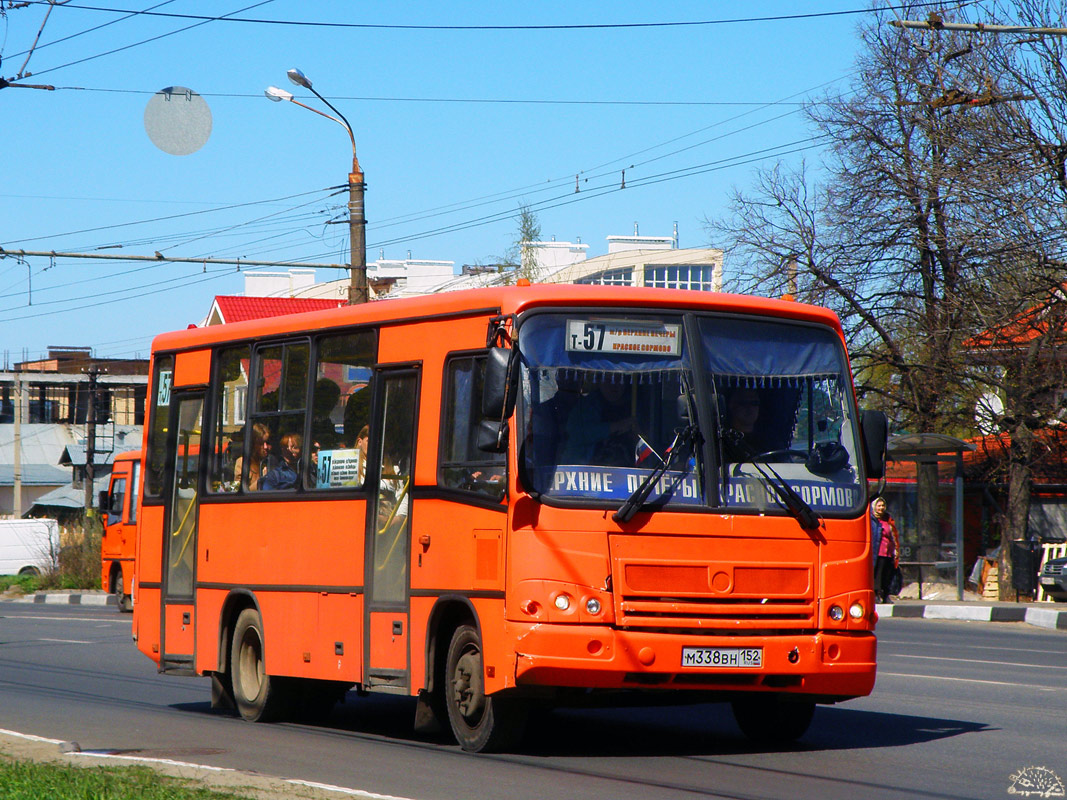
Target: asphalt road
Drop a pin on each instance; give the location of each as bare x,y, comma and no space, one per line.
960,710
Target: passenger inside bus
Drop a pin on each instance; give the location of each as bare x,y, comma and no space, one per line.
286,475
259,460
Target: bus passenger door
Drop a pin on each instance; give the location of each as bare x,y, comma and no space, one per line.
182,492
387,578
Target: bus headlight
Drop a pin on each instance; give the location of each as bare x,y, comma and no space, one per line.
837,613
562,602
592,605
856,610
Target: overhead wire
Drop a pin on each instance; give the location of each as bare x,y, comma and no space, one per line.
203,21
544,27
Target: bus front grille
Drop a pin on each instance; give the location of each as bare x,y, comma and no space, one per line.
713,612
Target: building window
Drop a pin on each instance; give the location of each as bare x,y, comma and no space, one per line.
623,276
697,277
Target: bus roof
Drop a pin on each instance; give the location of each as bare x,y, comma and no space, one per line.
494,300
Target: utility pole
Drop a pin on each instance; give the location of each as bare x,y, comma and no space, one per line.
357,235
17,467
90,439
357,222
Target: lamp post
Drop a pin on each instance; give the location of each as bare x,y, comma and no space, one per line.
357,223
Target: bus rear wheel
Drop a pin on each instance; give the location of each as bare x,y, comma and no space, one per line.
258,696
770,720
480,722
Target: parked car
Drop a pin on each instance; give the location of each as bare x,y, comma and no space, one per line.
1054,579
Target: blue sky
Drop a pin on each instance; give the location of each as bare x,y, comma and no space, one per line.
455,127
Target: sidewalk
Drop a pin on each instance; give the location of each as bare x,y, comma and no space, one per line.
1043,615
86,597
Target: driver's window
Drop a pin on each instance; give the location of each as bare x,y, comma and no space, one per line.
116,501
462,466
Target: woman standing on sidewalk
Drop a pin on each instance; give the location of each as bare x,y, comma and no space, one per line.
885,545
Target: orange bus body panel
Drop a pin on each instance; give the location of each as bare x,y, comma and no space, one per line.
192,369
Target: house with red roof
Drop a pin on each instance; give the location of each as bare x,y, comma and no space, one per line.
236,308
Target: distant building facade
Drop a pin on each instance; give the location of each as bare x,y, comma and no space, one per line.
50,398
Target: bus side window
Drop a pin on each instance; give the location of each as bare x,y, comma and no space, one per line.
340,409
461,465
280,404
163,374
228,430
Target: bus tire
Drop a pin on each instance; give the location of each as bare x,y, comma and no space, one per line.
769,720
480,722
123,600
258,696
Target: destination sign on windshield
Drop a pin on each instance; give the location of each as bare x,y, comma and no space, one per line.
623,338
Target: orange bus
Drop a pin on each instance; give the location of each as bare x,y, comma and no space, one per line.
119,506
493,497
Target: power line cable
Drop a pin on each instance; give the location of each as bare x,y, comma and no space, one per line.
131,15
204,21
171,217
547,27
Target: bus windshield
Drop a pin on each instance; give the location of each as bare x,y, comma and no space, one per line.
607,398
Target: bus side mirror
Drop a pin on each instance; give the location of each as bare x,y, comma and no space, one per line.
492,436
102,501
875,428
500,384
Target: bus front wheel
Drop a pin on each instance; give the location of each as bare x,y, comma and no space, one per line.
480,722
123,600
258,696
769,720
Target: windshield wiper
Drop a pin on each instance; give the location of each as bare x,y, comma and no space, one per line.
686,435
787,495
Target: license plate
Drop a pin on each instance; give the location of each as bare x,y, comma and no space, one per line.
1049,581
723,657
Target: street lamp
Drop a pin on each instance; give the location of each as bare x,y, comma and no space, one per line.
357,223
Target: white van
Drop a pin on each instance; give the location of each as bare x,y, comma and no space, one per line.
28,546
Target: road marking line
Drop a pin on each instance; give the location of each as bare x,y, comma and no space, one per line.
30,737
978,661
66,641
342,790
36,618
971,680
145,759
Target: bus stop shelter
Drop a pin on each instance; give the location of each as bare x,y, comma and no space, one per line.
936,449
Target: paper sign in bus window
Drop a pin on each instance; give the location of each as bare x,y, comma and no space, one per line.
339,468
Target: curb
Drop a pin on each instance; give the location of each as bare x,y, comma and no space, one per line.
68,599
1040,617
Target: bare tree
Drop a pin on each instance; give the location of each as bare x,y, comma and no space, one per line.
928,222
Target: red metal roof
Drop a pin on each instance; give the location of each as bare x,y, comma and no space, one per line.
233,308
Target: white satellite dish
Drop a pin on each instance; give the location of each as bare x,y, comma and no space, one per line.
177,120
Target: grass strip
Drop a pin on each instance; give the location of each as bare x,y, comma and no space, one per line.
27,780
